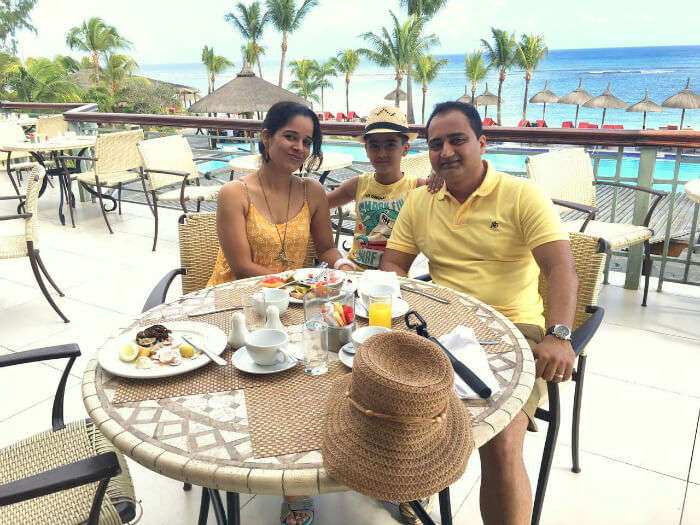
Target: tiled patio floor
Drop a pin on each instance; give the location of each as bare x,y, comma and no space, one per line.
640,412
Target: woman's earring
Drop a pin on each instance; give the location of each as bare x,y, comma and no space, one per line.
266,156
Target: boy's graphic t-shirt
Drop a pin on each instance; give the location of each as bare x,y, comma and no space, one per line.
376,208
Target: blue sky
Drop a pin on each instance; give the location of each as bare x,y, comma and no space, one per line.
174,31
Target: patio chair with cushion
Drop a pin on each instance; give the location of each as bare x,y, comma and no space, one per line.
20,161
69,474
488,121
116,162
18,235
567,124
524,123
567,175
51,126
168,161
199,246
589,259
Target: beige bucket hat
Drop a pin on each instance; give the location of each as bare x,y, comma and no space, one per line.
394,429
387,119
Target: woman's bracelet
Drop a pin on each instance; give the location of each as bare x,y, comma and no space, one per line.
344,260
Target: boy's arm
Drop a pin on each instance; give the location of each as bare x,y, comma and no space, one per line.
344,193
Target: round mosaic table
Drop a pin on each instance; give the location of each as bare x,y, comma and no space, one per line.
204,439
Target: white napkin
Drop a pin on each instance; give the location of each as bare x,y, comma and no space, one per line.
463,344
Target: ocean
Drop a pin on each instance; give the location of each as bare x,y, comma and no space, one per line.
663,70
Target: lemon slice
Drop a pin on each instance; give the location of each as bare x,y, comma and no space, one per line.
144,362
128,353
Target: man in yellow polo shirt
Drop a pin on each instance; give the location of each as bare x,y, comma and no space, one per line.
488,234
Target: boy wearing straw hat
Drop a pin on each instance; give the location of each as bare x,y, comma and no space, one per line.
378,196
490,235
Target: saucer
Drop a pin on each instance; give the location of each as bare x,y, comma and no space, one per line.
345,358
399,307
241,359
348,348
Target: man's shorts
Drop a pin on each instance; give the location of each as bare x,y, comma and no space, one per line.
534,335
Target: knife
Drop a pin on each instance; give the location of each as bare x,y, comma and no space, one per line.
429,296
218,360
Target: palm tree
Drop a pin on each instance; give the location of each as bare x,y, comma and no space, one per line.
215,64
307,81
13,17
39,80
250,22
346,63
118,68
423,8
476,70
398,49
501,56
97,38
70,64
251,52
323,71
427,69
530,52
286,18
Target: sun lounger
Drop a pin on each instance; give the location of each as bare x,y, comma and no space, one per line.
488,121
340,117
352,115
328,115
524,124
567,124
541,124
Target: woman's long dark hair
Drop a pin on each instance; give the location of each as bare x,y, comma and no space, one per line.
279,115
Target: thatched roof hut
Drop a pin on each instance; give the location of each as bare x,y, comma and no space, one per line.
606,100
244,94
645,105
686,99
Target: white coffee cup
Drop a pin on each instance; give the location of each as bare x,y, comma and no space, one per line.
271,297
264,345
361,335
376,290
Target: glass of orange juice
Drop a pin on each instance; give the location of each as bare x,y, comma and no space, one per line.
379,306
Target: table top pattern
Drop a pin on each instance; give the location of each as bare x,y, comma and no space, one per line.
56,144
203,439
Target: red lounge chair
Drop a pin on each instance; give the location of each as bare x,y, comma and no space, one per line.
609,126
328,115
488,121
320,116
541,124
340,117
671,127
567,124
524,124
352,115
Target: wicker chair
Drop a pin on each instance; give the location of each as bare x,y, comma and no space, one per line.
13,132
168,161
19,239
51,126
567,177
116,162
62,475
589,258
199,246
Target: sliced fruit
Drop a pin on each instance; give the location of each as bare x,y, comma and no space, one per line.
349,313
128,353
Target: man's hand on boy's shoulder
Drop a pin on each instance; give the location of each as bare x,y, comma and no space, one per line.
434,182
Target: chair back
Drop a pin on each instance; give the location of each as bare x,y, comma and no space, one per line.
117,152
199,247
12,132
589,259
171,153
34,182
417,165
565,174
51,126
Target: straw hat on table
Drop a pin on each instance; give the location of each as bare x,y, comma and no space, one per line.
394,428
387,119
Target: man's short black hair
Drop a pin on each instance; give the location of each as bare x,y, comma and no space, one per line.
468,110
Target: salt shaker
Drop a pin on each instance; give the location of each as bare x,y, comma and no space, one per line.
272,314
239,333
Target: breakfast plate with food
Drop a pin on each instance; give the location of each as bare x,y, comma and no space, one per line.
298,282
161,350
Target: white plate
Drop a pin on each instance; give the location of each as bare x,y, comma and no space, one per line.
350,285
241,359
348,348
345,358
201,334
399,307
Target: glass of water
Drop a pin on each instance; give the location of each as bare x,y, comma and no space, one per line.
314,342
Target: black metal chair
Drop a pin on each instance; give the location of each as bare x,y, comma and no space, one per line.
589,256
69,474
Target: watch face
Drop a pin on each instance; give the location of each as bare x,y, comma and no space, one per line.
562,331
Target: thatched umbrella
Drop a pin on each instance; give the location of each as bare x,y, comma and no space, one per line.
606,100
244,94
392,95
577,97
486,99
645,105
543,97
466,98
686,99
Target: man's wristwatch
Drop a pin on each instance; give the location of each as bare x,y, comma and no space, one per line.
560,331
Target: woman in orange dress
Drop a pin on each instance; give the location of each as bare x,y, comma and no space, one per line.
266,219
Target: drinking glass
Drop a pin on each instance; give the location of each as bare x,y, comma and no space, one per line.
253,319
379,308
314,341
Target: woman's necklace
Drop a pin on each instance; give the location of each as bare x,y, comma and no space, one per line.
282,255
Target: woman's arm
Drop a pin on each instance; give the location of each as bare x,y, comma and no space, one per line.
321,231
231,226
343,194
